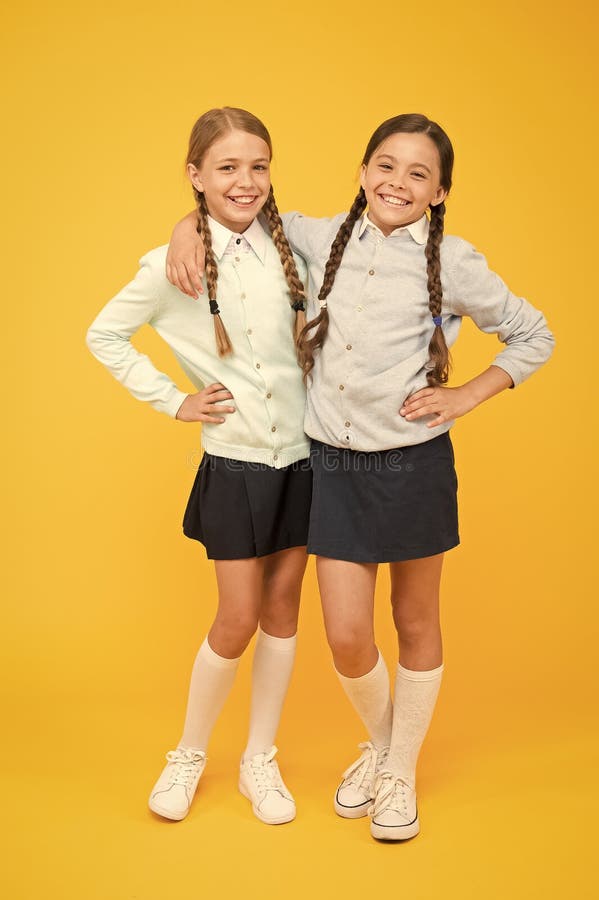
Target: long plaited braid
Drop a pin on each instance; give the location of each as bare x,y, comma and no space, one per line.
296,287
223,343
438,351
308,345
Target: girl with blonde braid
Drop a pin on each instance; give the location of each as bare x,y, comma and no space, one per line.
393,291
250,500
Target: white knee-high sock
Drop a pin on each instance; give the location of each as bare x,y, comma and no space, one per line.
271,673
211,680
413,705
370,696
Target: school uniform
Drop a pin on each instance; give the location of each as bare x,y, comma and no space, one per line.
385,488
251,493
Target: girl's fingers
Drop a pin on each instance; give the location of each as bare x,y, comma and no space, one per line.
221,409
415,400
218,388
438,421
204,418
176,276
418,395
429,410
197,271
187,286
428,403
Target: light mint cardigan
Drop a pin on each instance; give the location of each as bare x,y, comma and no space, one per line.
262,374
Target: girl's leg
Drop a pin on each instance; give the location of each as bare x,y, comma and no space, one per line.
259,777
240,591
239,596
415,602
275,645
347,593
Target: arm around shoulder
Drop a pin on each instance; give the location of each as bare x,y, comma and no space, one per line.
308,236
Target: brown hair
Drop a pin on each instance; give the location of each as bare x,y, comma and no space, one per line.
438,350
209,128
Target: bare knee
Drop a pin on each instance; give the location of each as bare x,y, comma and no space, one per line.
414,629
419,638
230,634
279,615
281,592
354,651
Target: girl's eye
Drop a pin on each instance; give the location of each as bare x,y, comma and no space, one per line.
384,166
226,168
260,168
419,174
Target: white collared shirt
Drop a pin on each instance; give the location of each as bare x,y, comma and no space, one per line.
231,242
418,230
262,373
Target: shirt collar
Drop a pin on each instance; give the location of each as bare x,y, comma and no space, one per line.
221,237
418,230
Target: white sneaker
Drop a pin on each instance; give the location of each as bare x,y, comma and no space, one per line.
356,792
394,813
260,781
173,792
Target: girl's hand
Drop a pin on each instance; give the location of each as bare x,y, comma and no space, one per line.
201,407
445,403
185,257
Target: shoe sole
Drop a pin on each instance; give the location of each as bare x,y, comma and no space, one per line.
277,820
166,814
351,812
395,832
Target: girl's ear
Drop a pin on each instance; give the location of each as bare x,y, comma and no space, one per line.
194,177
363,176
440,196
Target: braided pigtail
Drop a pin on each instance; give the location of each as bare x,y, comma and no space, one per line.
223,343
296,287
438,350
308,345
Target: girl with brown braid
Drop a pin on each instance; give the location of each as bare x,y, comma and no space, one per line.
250,500
375,355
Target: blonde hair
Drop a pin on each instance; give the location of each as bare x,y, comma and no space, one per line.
211,126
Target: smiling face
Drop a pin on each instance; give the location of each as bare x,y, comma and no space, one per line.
401,180
234,176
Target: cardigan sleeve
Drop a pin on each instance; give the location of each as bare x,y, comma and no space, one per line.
474,290
310,237
109,340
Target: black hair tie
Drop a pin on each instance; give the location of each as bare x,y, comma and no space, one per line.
214,308
298,305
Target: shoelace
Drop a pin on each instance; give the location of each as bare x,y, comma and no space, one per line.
391,792
266,773
366,765
185,765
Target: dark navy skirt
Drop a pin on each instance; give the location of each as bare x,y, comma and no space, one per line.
240,509
384,506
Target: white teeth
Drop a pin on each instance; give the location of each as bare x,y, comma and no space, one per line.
396,201
244,201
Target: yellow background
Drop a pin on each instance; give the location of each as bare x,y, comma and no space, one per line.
106,602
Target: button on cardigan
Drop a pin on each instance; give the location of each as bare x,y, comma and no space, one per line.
262,374
376,351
